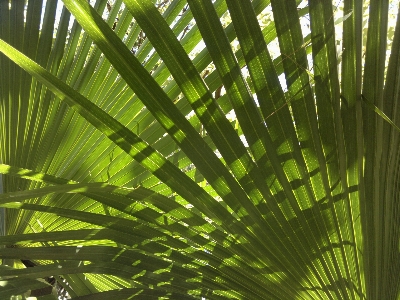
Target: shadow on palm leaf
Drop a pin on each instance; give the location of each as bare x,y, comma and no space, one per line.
162,251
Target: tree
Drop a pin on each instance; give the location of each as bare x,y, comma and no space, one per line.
125,176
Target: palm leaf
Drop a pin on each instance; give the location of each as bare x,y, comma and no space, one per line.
150,149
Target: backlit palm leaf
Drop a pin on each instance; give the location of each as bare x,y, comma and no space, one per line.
144,157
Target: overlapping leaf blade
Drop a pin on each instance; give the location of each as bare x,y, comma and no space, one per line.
143,188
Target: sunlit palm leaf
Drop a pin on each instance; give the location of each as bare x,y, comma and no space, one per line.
143,157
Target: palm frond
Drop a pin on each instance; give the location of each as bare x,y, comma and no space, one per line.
161,150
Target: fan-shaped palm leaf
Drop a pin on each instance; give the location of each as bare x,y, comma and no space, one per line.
144,157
